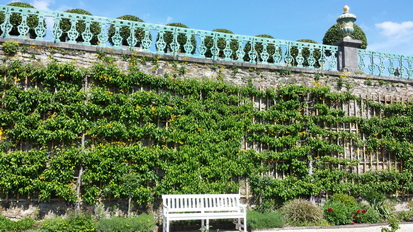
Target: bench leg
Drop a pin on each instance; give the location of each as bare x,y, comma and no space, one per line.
205,226
245,224
165,225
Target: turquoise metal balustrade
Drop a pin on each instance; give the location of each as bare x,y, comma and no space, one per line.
160,39
385,64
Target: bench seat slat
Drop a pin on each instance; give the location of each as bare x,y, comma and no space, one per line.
194,216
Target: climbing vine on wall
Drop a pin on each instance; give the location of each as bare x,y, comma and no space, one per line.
140,136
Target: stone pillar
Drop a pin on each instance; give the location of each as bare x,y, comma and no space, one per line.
347,57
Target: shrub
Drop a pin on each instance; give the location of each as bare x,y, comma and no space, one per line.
378,202
366,215
305,53
125,32
182,39
221,43
259,49
9,225
74,222
338,212
15,20
5,223
143,222
24,224
333,35
10,47
344,198
66,25
300,212
257,220
405,215
393,225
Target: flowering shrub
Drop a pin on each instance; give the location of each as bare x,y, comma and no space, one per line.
338,213
345,199
342,209
366,216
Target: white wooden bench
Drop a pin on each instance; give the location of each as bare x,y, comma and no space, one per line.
203,207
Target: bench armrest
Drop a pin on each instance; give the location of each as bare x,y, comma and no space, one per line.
243,207
165,210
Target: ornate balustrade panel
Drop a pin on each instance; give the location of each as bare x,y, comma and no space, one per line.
385,64
61,27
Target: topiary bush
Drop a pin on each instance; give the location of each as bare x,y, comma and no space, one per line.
259,49
16,19
65,25
257,220
333,35
300,212
182,39
305,52
125,31
209,43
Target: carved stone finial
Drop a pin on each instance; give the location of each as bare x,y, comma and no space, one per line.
346,9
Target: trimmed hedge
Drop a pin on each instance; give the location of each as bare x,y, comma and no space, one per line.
306,53
209,43
333,35
259,49
65,25
182,39
125,31
15,20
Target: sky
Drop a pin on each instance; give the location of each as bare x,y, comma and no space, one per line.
388,25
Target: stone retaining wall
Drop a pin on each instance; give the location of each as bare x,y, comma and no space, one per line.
262,76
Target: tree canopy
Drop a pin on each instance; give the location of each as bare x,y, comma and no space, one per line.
333,35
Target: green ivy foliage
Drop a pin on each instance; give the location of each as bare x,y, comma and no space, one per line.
66,25
334,35
148,135
125,32
16,19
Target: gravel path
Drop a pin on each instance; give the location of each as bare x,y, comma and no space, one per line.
404,227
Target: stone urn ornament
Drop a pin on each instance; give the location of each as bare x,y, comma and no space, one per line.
347,56
346,22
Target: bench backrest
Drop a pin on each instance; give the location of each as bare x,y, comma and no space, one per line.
201,202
